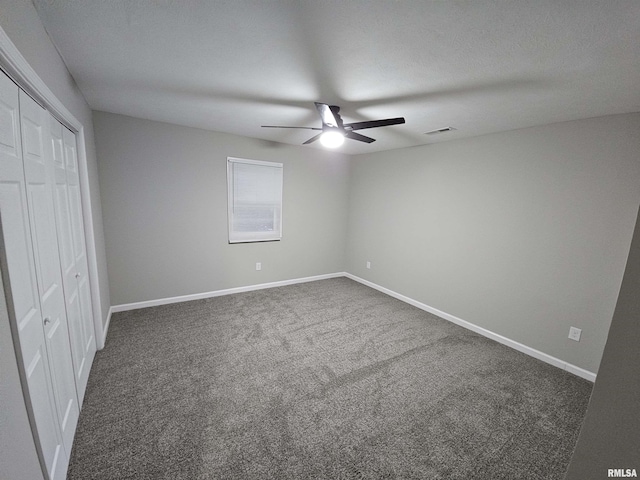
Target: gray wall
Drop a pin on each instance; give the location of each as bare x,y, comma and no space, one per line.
165,210
524,233
20,21
610,435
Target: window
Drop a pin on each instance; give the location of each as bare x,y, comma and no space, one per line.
255,200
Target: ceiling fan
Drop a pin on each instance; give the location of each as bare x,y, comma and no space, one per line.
334,131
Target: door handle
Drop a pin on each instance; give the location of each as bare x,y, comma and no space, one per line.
77,275
47,320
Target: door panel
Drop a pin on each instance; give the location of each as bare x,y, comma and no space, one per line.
40,207
63,220
80,256
71,153
73,258
58,340
17,245
21,276
14,217
76,221
32,138
46,419
74,316
38,167
67,257
64,230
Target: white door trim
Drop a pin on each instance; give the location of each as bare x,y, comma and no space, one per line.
19,70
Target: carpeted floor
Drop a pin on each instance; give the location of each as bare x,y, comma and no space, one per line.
322,380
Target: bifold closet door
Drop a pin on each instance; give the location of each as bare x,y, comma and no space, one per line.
73,258
20,267
86,332
34,123
31,261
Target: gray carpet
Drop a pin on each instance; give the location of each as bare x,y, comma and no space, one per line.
322,380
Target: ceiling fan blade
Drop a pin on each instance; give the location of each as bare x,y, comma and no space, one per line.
329,115
312,139
375,123
280,126
336,114
360,138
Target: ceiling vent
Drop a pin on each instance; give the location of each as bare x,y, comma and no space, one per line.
440,130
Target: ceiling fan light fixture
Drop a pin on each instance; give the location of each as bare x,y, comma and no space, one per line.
332,139
334,131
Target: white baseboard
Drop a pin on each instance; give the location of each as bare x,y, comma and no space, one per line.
217,293
556,362
106,327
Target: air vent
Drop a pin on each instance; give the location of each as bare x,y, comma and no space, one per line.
440,130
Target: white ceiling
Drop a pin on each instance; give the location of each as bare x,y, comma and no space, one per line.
479,66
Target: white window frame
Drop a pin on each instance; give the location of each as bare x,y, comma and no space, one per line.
259,236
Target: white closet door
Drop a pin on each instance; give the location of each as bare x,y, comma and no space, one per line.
34,123
80,257
72,253
24,298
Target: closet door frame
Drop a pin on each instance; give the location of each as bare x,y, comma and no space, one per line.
18,69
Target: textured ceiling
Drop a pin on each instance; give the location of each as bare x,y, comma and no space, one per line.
479,66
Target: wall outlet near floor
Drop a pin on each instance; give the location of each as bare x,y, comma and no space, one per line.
258,266
574,333
368,264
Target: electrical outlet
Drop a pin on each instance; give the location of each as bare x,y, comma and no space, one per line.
258,266
368,264
574,333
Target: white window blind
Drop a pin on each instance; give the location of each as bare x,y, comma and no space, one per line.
255,200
